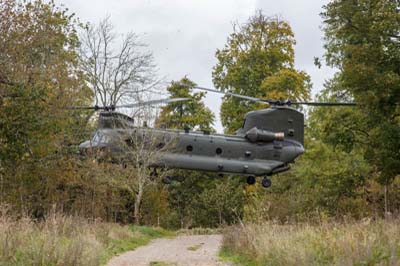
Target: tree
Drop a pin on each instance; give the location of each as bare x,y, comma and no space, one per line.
120,75
114,74
182,197
362,41
39,77
258,60
335,159
155,209
204,200
220,203
191,113
141,148
342,128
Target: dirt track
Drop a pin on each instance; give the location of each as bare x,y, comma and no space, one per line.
199,250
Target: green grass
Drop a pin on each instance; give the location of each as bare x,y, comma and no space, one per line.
162,263
141,235
236,259
199,231
195,247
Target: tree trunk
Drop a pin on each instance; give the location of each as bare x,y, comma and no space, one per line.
1,188
92,204
84,202
138,201
386,199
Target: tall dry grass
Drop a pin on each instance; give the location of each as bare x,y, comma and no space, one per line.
361,243
58,241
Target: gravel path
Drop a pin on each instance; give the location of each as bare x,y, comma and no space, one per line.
200,250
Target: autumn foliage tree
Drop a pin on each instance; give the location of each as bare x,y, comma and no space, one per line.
39,77
257,60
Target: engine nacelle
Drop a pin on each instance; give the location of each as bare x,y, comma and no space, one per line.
256,135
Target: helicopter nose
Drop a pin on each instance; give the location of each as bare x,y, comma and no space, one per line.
85,145
293,152
300,149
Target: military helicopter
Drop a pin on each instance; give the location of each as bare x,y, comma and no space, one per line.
267,143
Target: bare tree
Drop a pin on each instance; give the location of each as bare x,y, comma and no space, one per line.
126,74
116,74
144,147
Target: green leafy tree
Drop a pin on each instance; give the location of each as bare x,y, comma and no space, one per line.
220,203
342,128
258,60
205,200
332,181
362,40
183,196
192,113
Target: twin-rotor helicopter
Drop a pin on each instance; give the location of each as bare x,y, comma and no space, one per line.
267,143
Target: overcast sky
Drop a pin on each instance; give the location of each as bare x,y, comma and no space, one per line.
184,34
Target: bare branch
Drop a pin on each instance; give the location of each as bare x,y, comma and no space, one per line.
115,74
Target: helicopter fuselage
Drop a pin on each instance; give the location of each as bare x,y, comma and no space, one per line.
201,151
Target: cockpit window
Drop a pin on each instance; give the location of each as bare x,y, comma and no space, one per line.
96,137
99,137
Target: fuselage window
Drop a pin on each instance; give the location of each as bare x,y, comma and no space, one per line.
129,142
218,151
189,148
160,145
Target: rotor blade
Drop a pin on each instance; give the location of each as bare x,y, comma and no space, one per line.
324,103
275,102
153,102
254,99
86,107
113,107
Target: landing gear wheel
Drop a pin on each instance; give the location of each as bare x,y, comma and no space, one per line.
266,182
154,173
167,180
251,180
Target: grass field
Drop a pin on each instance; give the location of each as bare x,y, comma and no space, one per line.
68,241
364,243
